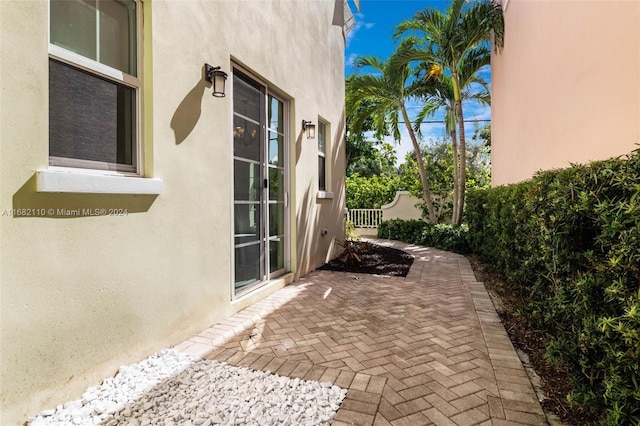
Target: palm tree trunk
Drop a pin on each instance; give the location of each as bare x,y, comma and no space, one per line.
462,172
456,178
462,152
426,190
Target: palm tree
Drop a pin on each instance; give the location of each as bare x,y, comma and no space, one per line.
381,98
448,43
438,94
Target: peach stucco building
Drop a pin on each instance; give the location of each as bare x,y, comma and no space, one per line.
136,209
566,87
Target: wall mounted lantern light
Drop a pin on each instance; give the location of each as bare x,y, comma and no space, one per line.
310,129
217,77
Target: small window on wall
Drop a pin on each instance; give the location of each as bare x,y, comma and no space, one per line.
94,84
322,156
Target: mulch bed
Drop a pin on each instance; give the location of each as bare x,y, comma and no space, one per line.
374,259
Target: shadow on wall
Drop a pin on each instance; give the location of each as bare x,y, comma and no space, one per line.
338,173
335,219
299,145
307,220
305,217
55,205
316,214
188,113
186,384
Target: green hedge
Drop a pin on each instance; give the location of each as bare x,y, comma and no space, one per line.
442,236
569,241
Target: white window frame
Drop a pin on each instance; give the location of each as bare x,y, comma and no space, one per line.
98,69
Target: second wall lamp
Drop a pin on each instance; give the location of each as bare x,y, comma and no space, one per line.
310,128
218,78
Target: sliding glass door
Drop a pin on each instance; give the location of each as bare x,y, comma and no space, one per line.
261,247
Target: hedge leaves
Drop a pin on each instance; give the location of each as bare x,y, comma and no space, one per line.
569,240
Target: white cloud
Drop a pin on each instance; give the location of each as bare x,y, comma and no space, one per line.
476,111
350,59
436,131
360,23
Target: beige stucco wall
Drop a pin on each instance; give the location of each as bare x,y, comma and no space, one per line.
566,87
81,296
402,207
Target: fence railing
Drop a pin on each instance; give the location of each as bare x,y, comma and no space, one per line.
365,218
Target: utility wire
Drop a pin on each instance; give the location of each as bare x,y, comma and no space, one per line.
442,121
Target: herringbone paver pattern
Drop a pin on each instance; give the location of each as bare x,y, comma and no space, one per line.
427,349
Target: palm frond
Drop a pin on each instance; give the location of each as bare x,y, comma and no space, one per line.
424,21
407,52
479,20
428,110
471,62
368,61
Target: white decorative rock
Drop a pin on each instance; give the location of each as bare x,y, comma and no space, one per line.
171,388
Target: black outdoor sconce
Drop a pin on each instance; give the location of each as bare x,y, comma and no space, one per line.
217,77
310,128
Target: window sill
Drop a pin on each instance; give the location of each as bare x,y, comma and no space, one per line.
324,195
75,182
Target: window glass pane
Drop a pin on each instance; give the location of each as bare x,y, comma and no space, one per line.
322,137
102,30
246,139
118,35
90,118
246,182
73,26
276,219
247,265
322,180
246,98
247,223
276,254
276,115
276,184
276,149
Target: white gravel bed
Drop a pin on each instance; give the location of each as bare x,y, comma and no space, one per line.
171,388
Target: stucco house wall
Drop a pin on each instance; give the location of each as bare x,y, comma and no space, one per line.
566,87
82,294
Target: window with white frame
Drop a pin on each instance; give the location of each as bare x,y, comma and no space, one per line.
94,84
322,156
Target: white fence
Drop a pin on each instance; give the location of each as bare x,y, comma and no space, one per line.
365,218
366,221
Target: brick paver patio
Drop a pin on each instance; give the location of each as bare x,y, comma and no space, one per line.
421,350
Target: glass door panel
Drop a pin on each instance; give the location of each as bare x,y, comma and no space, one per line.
247,223
276,149
260,185
248,97
276,115
246,138
276,254
248,192
276,184
276,219
247,185
247,269
277,188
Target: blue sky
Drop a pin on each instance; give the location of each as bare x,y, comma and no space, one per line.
373,35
